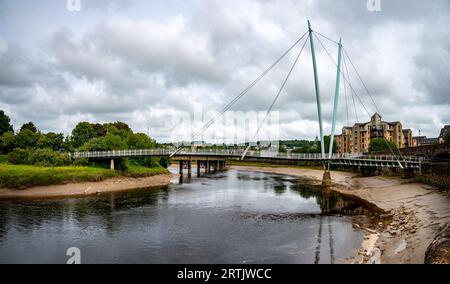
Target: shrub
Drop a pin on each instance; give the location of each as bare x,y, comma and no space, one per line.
3,158
38,157
121,164
81,162
146,162
48,158
18,156
165,162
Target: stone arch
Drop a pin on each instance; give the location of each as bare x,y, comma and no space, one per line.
443,156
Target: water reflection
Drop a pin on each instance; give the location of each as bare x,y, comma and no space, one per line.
231,217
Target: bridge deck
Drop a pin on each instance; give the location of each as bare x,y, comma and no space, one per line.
357,159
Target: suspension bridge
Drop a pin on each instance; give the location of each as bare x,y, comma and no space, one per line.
216,159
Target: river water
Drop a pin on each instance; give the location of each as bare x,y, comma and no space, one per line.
229,217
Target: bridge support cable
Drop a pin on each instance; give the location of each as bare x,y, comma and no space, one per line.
351,91
316,83
354,67
276,98
362,81
376,107
336,101
245,91
346,98
349,83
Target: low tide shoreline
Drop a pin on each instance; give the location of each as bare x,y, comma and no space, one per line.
86,188
415,212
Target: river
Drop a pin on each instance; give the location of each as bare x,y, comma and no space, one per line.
230,217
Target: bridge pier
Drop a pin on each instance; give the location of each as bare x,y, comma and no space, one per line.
189,169
181,168
112,165
198,168
326,180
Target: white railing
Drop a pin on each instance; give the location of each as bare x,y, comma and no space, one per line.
250,154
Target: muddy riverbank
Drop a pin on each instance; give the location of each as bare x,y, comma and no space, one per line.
86,188
414,213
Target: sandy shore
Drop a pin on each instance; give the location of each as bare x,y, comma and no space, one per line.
86,188
416,212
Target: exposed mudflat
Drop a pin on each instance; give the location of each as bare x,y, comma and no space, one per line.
414,213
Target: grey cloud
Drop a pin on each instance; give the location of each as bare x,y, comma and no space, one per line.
136,69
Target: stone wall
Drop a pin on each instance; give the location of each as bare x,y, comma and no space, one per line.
428,151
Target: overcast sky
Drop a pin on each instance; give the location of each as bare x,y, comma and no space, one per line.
148,63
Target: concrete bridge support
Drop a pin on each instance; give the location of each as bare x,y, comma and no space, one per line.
210,166
189,164
112,165
181,168
326,180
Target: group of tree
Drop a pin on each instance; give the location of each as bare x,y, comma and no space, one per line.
31,146
381,144
306,146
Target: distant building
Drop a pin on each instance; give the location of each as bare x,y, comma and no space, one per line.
423,140
357,139
198,144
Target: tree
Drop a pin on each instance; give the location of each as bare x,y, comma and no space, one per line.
109,142
99,129
29,126
113,142
5,125
95,144
140,141
447,137
52,141
326,141
381,144
82,133
7,142
26,139
121,126
119,129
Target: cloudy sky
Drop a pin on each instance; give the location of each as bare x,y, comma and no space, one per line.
152,63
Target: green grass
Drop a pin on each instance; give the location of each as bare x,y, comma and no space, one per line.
21,176
140,171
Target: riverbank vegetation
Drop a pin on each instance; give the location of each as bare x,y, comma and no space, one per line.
23,176
381,144
29,157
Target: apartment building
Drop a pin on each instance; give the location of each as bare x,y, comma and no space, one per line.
357,139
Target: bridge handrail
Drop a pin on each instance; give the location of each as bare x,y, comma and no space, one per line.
251,154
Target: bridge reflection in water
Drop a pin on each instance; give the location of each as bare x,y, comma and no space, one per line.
226,218
332,203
